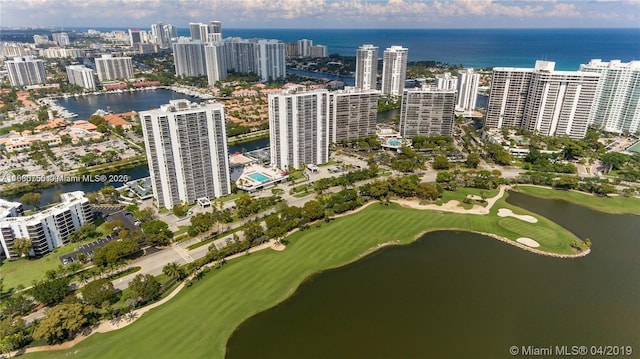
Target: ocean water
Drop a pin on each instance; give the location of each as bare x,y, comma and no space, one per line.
477,48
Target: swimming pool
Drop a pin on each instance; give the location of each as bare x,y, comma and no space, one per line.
394,142
259,177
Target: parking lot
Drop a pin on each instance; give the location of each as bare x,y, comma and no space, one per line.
87,249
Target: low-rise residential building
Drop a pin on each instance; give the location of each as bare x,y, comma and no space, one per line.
47,229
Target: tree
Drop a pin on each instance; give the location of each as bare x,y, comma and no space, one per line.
157,232
62,322
173,270
312,210
51,291
144,287
473,160
22,246
615,160
98,292
144,214
253,231
31,198
17,304
179,210
12,334
441,163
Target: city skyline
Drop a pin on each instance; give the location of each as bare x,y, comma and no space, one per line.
326,13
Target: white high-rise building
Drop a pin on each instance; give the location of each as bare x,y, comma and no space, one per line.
353,114
367,67
159,36
47,229
135,37
446,81
24,71
186,145
617,107
394,70
189,59
194,31
61,38
299,128
240,55
542,100
304,47
468,81
81,76
215,62
214,31
427,112
114,68
270,60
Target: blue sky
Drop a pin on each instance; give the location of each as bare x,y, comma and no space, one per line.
324,13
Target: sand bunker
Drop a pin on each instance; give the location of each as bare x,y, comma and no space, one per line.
505,212
528,242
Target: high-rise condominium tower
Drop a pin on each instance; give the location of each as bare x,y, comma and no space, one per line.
427,112
81,76
186,146
617,106
299,128
113,68
468,81
353,114
394,70
541,99
24,71
189,58
367,67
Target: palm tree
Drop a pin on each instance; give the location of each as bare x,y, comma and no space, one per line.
172,270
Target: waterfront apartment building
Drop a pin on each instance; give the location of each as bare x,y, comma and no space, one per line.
353,114
186,146
319,51
159,36
210,32
270,59
299,128
135,37
617,106
304,47
214,31
13,49
367,67
189,58
427,111
25,71
215,62
114,68
446,82
61,38
468,81
394,70
81,76
47,229
59,52
264,57
541,99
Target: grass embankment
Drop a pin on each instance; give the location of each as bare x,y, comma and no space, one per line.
198,322
247,137
113,167
463,193
614,204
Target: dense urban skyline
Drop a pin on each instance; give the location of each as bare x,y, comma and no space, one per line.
326,13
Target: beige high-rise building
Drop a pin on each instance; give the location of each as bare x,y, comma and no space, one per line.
353,114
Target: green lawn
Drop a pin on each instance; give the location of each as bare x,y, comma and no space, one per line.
616,205
198,322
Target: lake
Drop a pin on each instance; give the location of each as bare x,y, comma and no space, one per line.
85,106
462,295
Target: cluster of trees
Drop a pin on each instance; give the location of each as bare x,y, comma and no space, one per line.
442,143
537,161
499,154
388,103
85,232
247,205
588,184
453,180
347,180
408,186
202,222
407,160
115,250
156,232
363,143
